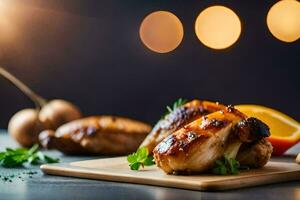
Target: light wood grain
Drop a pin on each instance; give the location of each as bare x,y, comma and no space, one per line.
116,169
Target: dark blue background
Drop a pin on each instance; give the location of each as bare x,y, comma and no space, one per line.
89,52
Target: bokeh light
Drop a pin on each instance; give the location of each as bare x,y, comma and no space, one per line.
283,20
8,22
161,31
218,27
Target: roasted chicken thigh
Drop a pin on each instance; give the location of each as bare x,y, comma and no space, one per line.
97,135
196,146
177,119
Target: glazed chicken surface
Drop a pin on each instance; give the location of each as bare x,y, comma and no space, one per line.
196,146
177,119
97,135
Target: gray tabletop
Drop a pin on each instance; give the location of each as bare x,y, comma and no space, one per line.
40,186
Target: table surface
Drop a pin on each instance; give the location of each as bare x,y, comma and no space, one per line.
40,186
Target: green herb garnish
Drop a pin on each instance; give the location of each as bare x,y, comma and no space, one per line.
140,158
20,156
226,166
179,102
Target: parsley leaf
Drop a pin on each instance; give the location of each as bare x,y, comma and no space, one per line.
225,166
49,159
20,156
140,158
179,102
2,155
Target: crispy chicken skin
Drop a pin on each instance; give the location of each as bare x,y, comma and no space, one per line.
195,147
177,119
97,135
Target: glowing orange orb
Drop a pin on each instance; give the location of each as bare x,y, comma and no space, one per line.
218,27
161,31
283,20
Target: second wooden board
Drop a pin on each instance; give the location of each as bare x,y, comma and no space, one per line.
116,169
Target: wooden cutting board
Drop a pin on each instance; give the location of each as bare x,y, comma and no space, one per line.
116,169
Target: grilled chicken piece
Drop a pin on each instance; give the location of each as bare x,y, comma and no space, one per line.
256,154
97,135
196,146
177,119
256,150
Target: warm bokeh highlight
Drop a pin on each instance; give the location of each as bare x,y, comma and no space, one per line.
218,27
161,31
283,20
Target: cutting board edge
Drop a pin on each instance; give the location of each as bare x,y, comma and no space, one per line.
81,172
58,170
280,177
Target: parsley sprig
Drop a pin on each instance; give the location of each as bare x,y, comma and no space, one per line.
179,102
140,158
226,165
20,156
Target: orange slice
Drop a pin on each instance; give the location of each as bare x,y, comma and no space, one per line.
285,131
